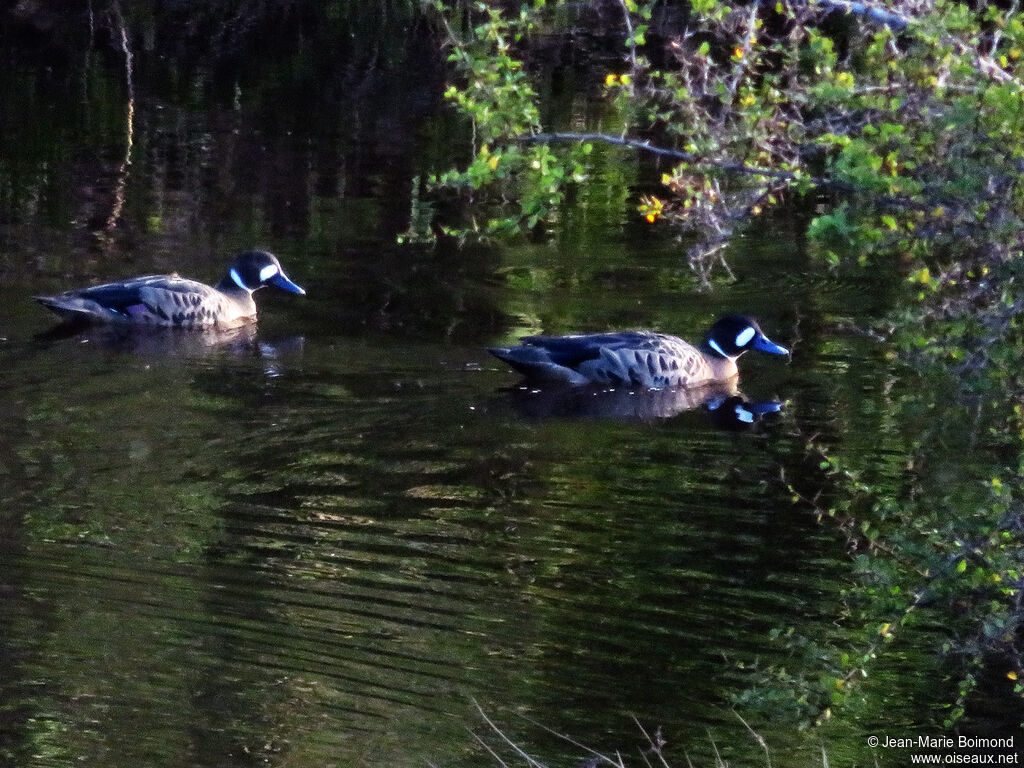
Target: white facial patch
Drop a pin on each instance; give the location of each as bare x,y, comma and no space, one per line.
237,279
743,337
268,272
714,345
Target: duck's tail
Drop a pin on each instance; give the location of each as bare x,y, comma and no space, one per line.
70,310
535,363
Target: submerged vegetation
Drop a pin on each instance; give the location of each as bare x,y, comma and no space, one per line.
903,127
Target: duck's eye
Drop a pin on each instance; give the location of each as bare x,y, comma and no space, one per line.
268,272
743,337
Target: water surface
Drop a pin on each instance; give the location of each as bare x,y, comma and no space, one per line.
320,543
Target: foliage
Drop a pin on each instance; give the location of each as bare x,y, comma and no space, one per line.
500,102
918,126
906,123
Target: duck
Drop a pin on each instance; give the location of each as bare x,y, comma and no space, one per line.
170,301
639,358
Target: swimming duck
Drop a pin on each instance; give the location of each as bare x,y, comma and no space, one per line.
172,301
639,358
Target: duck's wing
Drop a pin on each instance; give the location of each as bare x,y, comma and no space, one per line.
575,350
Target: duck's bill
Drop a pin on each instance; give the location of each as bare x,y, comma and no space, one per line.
763,344
282,282
761,407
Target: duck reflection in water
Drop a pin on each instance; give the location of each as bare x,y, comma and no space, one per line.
144,341
724,404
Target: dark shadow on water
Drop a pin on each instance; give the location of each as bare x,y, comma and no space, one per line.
725,406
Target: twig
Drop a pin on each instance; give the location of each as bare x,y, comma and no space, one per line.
655,746
740,64
757,736
633,66
571,740
487,746
506,739
719,762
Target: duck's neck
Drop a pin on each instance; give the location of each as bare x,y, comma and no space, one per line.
723,366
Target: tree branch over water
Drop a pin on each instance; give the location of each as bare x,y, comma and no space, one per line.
873,13
682,155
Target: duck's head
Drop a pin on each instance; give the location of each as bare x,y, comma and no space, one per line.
252,270
733,335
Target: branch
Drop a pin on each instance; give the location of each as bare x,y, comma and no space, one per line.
757,737
679,154
873,13
529,760
986,64
122,171
629,37
570,740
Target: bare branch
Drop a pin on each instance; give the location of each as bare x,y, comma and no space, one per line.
655,745
570,740
678,154
489,749
871,12
757,736
630,38
530,761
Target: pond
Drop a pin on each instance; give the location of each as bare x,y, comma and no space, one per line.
328,540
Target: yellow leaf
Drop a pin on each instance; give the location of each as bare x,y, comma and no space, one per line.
493,162
611,79
1012,675
922,276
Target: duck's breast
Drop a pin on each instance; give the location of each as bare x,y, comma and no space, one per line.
188,304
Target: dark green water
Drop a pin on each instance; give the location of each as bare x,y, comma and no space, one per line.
320,544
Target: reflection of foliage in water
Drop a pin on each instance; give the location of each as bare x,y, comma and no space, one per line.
218,89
